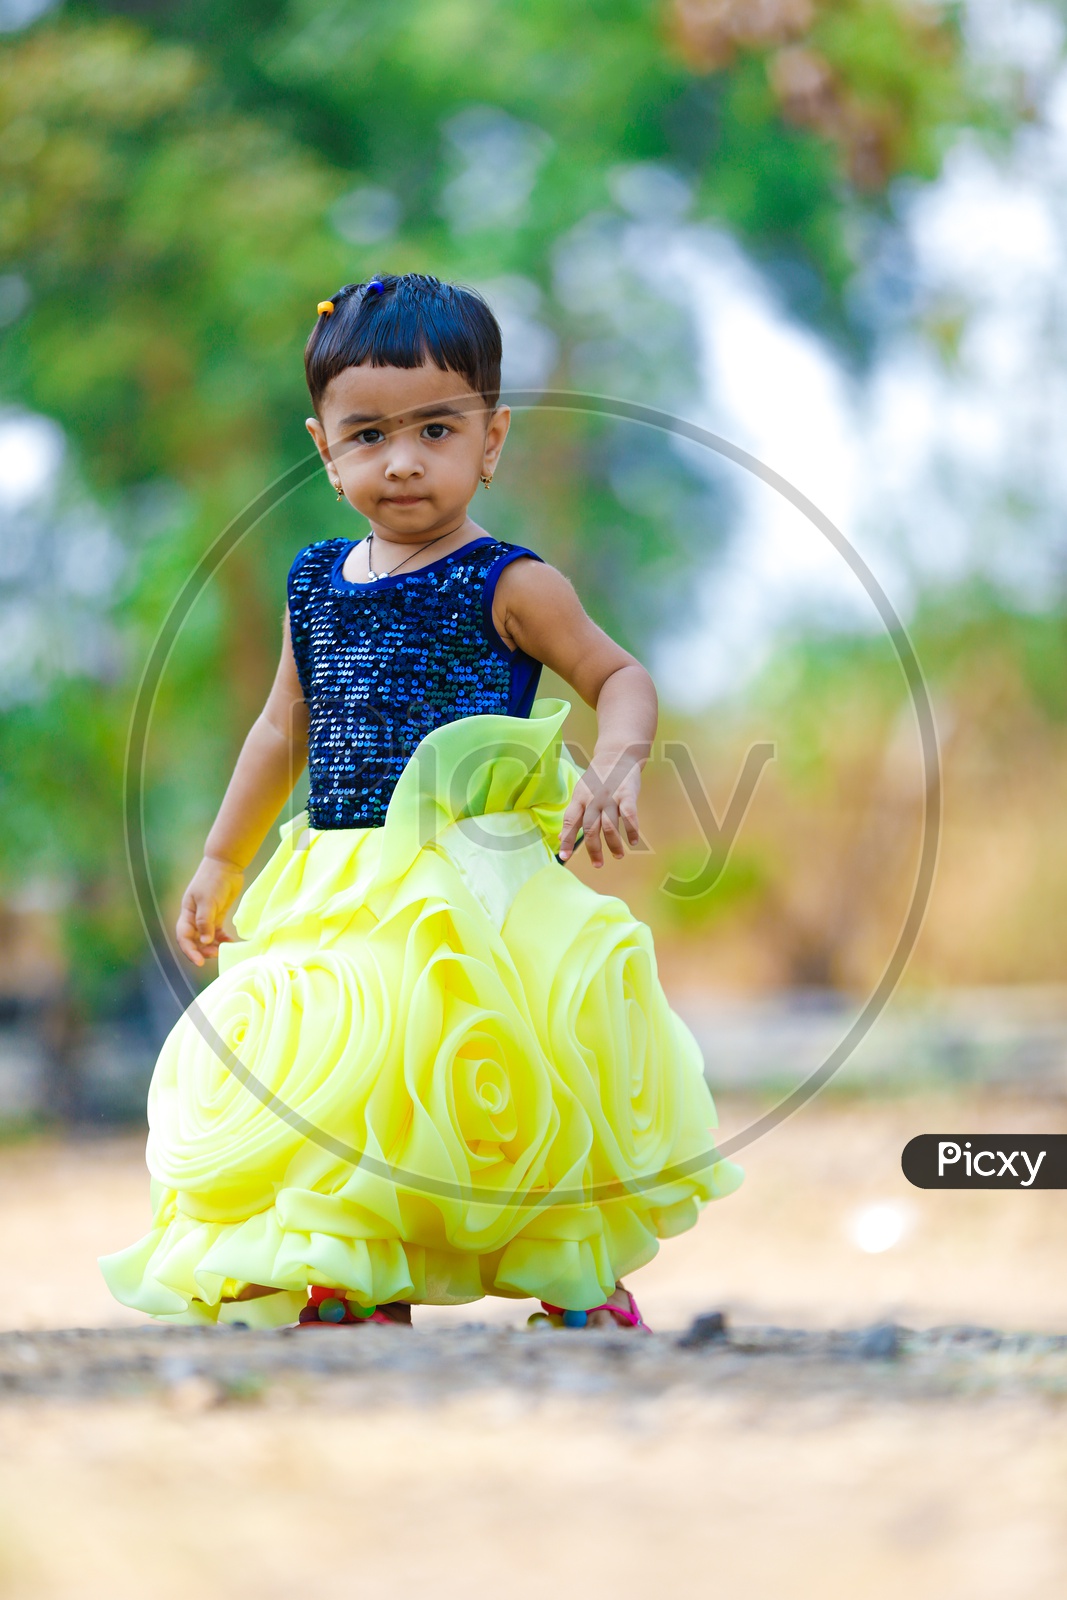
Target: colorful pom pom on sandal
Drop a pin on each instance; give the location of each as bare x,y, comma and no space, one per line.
334,1306
560,1318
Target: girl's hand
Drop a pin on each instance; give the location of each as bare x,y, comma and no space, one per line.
604,800
214,887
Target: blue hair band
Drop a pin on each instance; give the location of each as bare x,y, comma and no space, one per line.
375,286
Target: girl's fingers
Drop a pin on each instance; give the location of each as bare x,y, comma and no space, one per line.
603,818
628,817
199,953
185,931
196,929
199,928
572,821
612,837
188,948
592,836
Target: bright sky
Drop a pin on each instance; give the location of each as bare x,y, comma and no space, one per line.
31,449
931,468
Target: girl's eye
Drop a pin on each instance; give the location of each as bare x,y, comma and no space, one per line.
433,430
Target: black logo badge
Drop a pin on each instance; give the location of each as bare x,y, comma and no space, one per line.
986,1161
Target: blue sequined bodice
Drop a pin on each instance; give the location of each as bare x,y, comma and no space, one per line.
383,664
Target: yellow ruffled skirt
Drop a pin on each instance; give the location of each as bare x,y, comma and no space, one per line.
435,1066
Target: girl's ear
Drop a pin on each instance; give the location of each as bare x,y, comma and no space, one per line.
495,434
318,433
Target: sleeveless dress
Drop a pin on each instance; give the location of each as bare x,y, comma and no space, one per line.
434,1065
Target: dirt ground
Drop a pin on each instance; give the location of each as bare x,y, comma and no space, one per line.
466,1459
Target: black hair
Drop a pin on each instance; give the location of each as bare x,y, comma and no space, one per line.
410,318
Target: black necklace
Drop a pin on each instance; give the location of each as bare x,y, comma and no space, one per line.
376,576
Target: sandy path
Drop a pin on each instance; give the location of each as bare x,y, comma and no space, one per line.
817,1499
764,1478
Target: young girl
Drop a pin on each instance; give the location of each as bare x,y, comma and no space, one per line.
435,1065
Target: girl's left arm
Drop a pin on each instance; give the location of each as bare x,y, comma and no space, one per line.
537,610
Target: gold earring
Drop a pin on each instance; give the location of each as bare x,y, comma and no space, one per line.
487,481
340,492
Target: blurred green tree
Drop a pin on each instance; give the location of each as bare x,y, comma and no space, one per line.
183,180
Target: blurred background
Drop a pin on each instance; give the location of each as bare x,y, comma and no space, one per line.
832,231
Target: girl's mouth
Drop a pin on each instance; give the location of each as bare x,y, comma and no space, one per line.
404,499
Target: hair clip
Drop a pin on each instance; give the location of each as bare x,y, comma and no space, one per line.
325,308
375,286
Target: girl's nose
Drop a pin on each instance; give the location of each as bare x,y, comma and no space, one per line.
403,462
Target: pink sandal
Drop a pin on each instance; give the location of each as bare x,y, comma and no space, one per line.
332,1306
578,1319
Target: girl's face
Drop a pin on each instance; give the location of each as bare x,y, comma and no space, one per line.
407,445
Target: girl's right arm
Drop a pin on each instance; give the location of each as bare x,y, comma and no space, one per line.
272,758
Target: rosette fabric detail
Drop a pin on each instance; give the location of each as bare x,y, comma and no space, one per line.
434,1066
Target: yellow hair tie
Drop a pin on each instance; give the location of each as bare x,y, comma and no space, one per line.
325,308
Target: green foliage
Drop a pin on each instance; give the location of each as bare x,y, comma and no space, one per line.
775,186
168,193
834,693
974,635
841,697
901,65
172,248
743,883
